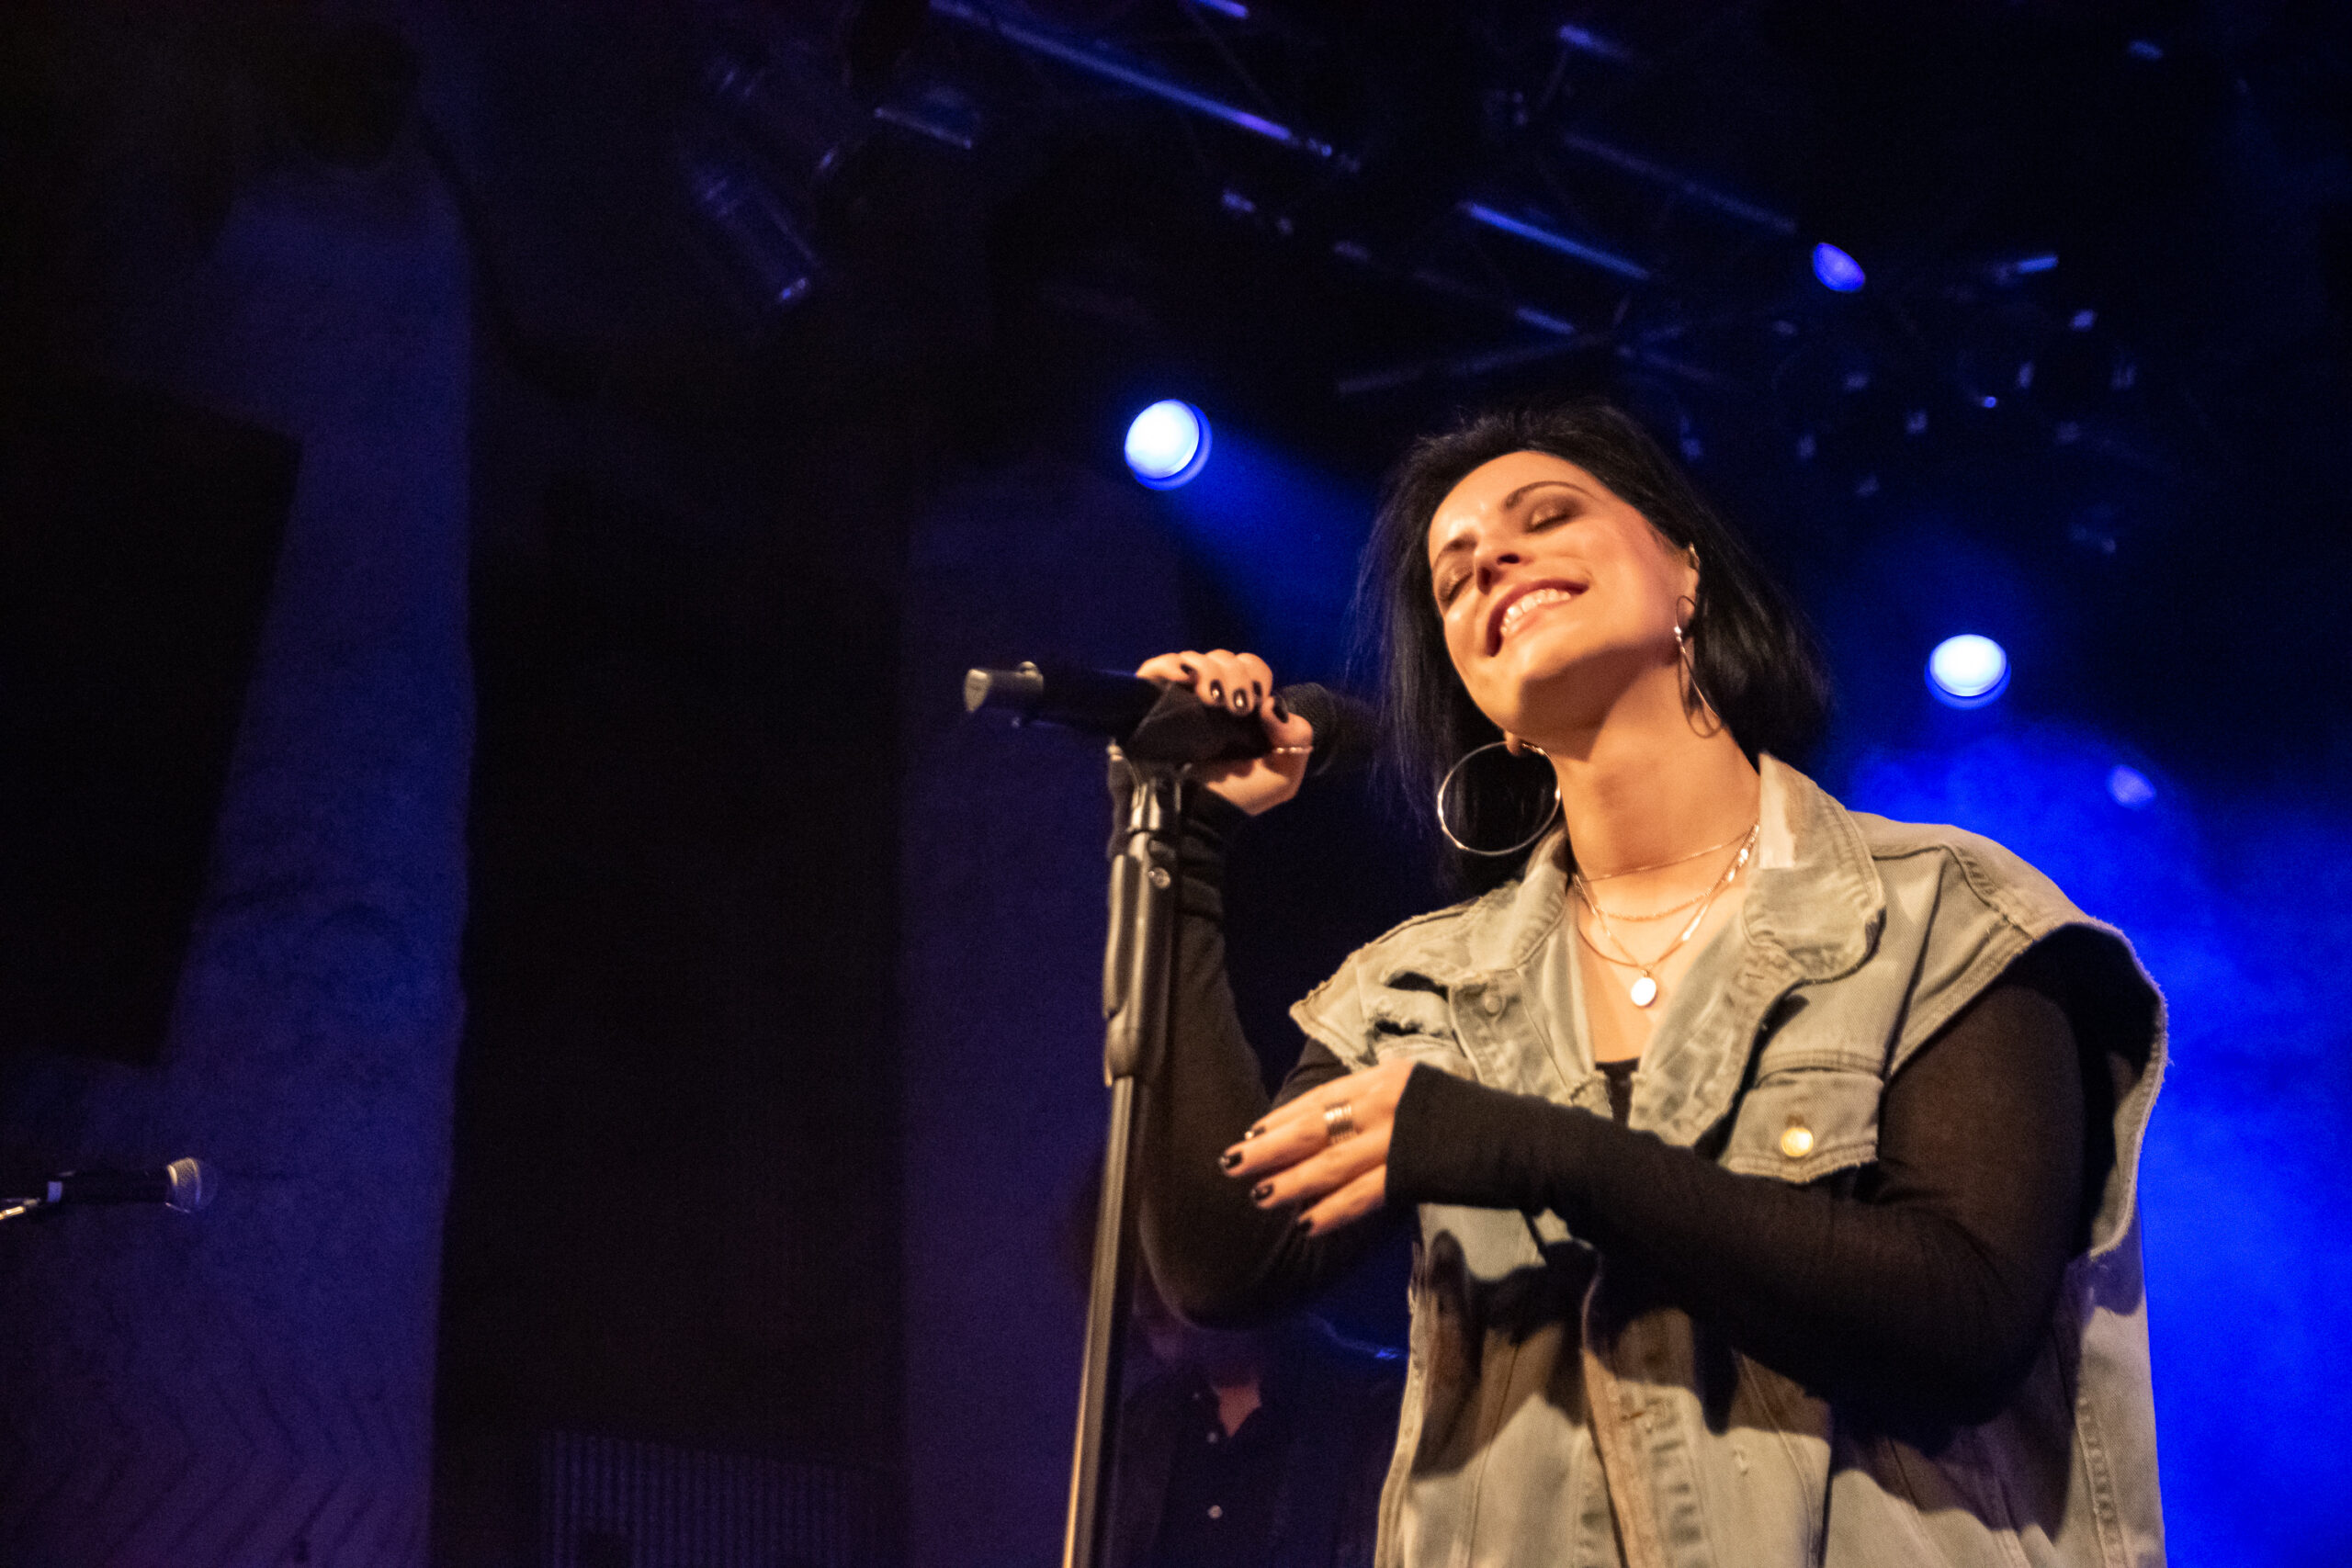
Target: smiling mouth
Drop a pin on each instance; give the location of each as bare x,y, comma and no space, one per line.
1515,614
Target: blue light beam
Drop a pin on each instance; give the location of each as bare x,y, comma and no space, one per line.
1968,670
1168,444
1839,273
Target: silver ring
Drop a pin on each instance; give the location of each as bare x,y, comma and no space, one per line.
1339,1121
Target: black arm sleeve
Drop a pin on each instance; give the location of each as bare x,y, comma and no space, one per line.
1217,1258
1923,1289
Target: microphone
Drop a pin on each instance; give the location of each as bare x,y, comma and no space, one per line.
185,1185
1347,729
1100,702
1168,724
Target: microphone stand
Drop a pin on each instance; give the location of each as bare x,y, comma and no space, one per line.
1138,972
1161,732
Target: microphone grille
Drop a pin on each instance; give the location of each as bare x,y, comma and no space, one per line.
1347,732
193,1185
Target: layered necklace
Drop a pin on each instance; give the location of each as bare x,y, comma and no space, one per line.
1644,987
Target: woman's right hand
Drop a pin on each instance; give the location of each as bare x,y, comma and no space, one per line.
1242,682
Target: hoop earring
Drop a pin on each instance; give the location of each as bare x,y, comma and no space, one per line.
1685,646
1446,786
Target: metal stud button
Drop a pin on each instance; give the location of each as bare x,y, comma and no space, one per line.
1797,1142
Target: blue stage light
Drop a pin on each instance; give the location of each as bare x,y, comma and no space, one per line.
1968,670
1838,272
1168,445
2128,786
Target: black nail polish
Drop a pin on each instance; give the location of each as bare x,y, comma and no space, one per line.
1282,710
1259,1131
1260,1193
1305,1226
1241,702
1228,1159
1217,691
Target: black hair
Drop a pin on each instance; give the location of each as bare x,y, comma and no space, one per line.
1752,652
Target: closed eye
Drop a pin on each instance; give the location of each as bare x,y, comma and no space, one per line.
1448,587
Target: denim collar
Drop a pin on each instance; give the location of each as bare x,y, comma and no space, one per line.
1812,913
1814,900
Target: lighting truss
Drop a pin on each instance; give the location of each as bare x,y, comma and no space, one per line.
1594,217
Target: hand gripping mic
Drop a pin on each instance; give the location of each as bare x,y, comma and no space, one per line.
1168,724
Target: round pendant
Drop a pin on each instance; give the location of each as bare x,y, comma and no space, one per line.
1644,991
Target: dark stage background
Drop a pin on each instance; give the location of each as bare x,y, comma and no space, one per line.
496,500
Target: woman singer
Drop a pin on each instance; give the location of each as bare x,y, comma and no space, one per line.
1771,1163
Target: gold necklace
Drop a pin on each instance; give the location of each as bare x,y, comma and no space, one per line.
1689,903
1679,860
1644,989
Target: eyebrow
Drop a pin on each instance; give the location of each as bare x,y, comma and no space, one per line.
1513,499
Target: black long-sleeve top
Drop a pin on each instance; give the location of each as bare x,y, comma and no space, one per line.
1920,1283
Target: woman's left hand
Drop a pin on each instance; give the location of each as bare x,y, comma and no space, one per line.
1292,1160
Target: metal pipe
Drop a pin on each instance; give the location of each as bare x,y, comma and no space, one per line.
1460,367
1552,239
1117,68
1682,185
1449,287
1592,43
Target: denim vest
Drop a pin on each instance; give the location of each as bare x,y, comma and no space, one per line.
1555,1415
